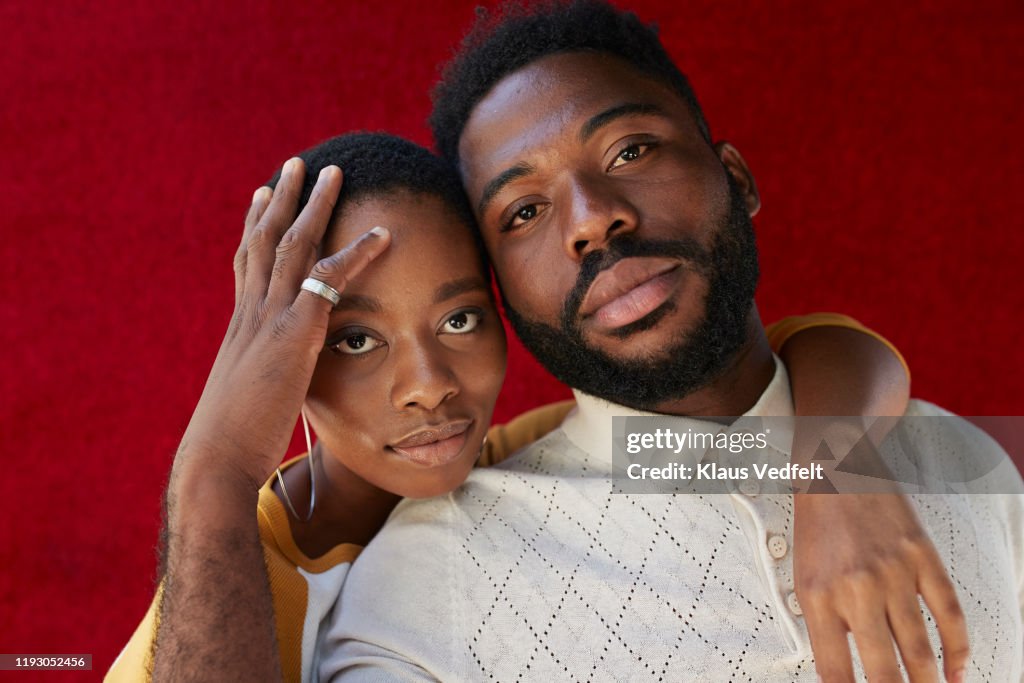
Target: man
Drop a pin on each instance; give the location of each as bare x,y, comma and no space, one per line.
622,241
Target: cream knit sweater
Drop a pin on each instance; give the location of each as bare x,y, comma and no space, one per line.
535,571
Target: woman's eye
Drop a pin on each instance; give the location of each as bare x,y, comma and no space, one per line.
631,153
356,344
461,322
527,212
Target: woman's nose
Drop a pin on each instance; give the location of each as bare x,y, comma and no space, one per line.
423,378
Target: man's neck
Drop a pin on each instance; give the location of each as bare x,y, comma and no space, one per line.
736,389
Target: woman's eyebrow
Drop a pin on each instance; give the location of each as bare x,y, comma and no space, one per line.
454,288
358,302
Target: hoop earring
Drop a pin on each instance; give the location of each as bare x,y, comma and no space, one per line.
312,476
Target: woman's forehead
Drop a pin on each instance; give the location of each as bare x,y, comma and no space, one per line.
429,241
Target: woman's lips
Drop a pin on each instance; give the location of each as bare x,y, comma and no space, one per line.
630,290
434,446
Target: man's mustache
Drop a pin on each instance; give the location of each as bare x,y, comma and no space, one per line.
594,263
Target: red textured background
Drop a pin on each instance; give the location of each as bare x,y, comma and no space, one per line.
885,138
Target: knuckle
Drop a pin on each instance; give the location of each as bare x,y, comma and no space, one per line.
959,653
813,595
952,613
257,316
258,238
290,190
283,325
293,242
238,263
323,270
288,246
887,677
288,240
920,655
862,582
236,321
918,547
834,676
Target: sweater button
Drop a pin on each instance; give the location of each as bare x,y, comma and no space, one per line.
749,487
778,547
793,604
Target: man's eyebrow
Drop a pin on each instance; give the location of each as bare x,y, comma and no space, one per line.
598,121
450,290
492,188
358,302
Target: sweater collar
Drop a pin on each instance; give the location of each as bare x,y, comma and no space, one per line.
589,426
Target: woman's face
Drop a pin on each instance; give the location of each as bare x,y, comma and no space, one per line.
403,391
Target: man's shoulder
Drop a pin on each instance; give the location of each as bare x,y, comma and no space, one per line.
432,527
948,445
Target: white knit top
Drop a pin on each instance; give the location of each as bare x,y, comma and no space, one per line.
535,571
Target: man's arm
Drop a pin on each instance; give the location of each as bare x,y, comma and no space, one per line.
861,560
216,617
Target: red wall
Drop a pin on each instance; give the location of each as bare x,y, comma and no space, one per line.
885,138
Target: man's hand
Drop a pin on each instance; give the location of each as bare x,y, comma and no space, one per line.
860,562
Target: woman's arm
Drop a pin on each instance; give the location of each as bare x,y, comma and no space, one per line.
215,617
862,559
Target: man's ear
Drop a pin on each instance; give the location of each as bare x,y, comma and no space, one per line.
734,163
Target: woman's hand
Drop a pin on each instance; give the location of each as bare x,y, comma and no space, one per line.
245,417
860,562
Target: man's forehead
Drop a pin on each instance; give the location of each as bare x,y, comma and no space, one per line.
547,100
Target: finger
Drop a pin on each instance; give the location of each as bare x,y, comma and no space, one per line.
297,249
908,627
874,643
831,648
338,269
260,199
261,243
940,596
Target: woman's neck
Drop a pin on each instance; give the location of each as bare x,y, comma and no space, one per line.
348,508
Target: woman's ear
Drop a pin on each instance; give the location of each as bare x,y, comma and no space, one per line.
735,165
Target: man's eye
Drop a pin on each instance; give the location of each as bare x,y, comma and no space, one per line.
356,344
631,153
521,216
461,322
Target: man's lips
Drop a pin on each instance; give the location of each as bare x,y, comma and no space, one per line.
629,290
434,445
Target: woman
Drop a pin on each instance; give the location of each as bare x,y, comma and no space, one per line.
394,350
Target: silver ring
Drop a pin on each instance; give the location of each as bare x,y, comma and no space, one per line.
323,289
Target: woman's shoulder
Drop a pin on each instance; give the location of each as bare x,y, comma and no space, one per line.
278,541
504,440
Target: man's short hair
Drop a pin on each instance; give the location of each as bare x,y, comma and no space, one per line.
499,44
378,164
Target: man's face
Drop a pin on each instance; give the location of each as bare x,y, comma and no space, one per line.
622,243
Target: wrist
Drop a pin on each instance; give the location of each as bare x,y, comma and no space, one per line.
204,498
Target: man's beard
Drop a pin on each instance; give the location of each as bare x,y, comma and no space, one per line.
691,360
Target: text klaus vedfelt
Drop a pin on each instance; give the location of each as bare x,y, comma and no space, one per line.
736,442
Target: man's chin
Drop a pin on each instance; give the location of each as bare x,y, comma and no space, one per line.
651,338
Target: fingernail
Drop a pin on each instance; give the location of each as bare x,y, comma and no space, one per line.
325,173
289,166
258,194
380,232
958,676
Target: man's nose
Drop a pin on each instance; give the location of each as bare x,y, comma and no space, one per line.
423,377
597,211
